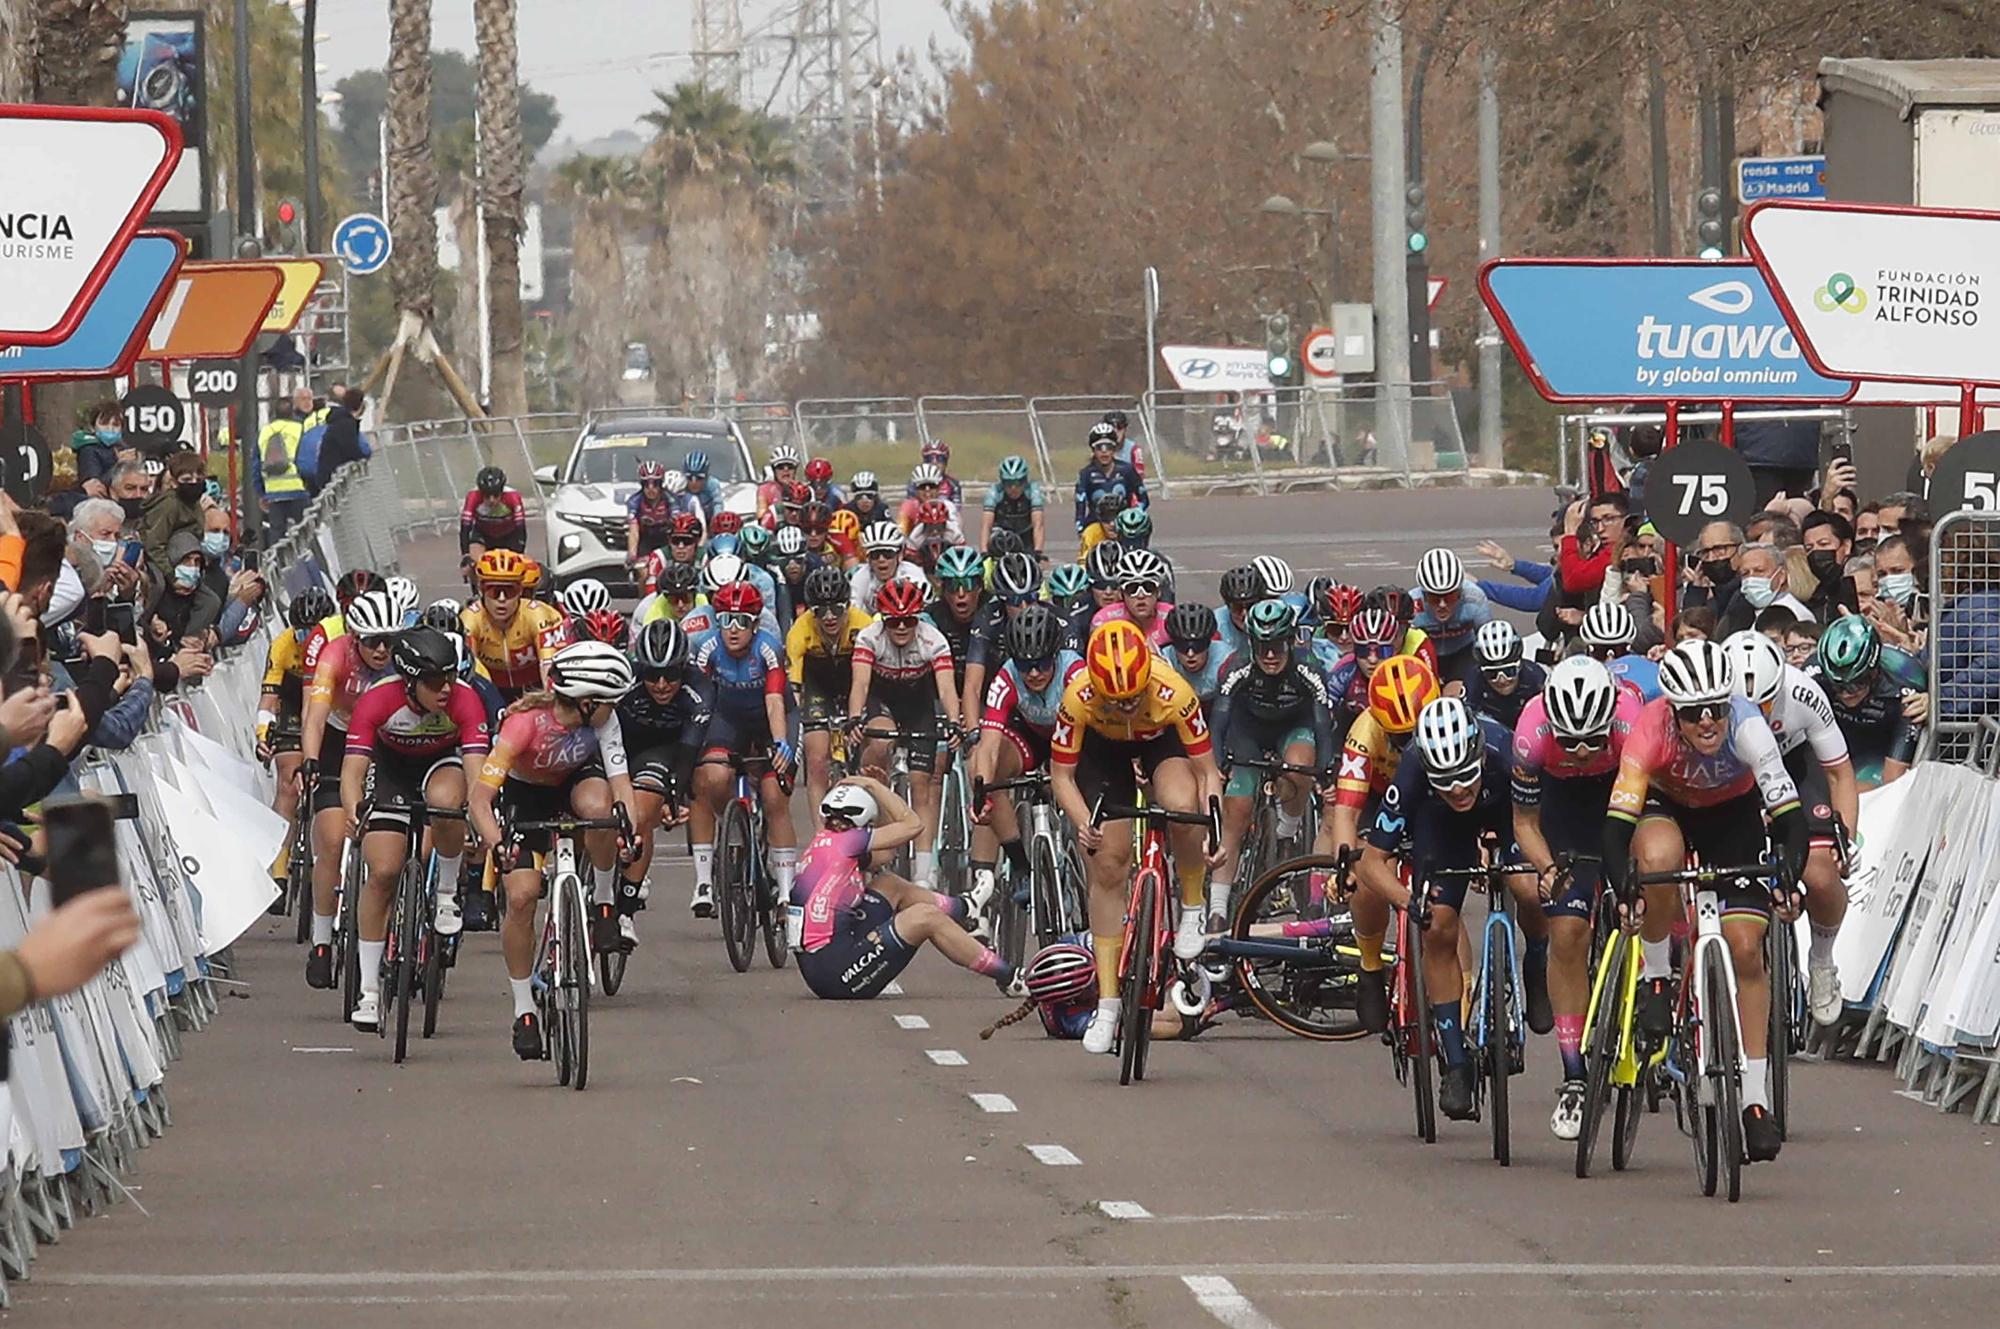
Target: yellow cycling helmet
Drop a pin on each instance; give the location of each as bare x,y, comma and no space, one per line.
503,566
1398,691
1121,662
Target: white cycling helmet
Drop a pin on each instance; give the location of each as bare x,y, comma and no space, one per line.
1449,737
929,473
790,542
720,571
585,595
1696,671
675,482
864,483
1142,566
591,671
1608,625
851,803
1496,644
784,455
403,594
882,537
1275,573
373,614
1580,697
1758,664
1439,572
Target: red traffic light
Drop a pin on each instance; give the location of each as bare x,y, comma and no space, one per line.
288,212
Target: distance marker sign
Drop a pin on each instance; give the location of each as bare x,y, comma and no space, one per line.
1689,486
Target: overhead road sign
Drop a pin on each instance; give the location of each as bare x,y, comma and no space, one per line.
79,182
1217,368
1637,329
107,340
213,311
363,243
1780,177
301,279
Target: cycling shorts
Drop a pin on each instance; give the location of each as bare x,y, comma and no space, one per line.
1572,819
864,954
1815,795
516,540
654,770
326,794
911,709
818,704
520,801
1726,834
728,738
1104,766
1032,748
399,783
1251,740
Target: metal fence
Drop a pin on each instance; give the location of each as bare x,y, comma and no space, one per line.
1965,639
433,462
1062,428
1574,431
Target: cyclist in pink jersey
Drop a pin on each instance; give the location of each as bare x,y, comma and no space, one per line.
854,933
1142,575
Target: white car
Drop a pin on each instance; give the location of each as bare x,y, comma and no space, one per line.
587,513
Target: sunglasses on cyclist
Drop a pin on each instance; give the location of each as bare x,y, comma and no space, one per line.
737,621
1700,711
1142,588
1500,673
1042,666
876,555
1577,746
961,583
1455,782
901,621
683,541
1275,646
677,674
497,592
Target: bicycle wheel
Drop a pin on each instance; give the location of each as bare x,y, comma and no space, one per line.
433,969
1309,993
1604,1025
298,882
735,881
1423,1066
409,919
1696,1091
773,922
347,951
1726,1066
575,988
611,971
1499,985
954,839
1135,982
1781,959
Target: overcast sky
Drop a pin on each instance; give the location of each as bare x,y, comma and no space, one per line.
600,59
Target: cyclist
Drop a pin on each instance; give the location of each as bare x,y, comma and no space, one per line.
743,666
352,663
558,753
1102,569
684,540
513,637
1505,682
855,930
280,707
1341,603
1271,704
722,533
1016,718
1141,575
938,453
1276,582
1683,780
674,596
414,741
1069,596
1130,709
494,517
902,683
819,651
353,582
933,531
1133,528
1607,632
958,609
580,598
1191,632
1398,690
1061,980
757,546
1450,610
927,487
1105,474
1241,588
1014,581
864,500
664,721
1103,524
605,625
788,553
1567,746
1879,698
1448,801
819,479
1802,720
649,513
1015,504
1397,603
781,474
719,572
1129,451
883,544
703,488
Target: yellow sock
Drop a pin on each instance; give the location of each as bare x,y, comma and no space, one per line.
281,866
1371,951
1108,951
1194,883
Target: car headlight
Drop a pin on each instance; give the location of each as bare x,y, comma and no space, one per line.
569,546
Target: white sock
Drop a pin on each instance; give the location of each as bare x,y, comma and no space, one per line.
1657,957
1288,825
322,930
1109,1006
924,865
1218,896
371,965
1757,1082
704,864
448,870
524,996
785,867
1821,950
604,885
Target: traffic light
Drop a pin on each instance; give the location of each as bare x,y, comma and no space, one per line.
285,227
1708,228
1278,347
1414,220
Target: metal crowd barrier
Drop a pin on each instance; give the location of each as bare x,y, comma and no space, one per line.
1964,638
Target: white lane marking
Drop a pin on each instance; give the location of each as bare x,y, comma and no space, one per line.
995,1103
322,1049
894,989
1123,1209
912,1022
945,1057
1053,1154
1219,1297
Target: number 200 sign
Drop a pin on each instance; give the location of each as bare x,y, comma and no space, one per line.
1694,484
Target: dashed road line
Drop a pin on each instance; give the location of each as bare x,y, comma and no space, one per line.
912,1022
1124,1209
1219,1297
894,989
945,1057
994,1103
1054,1155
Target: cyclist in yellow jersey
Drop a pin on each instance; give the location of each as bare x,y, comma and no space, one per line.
1130,706
514,637
281,708
819,656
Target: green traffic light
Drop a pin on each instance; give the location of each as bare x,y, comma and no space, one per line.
1279,367
1417,242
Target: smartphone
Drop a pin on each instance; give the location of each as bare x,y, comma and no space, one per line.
132,553
83,855
93,614
121,617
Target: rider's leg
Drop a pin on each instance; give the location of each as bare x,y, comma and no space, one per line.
1109,871
779,835
1444,979
646,809
446,789
1826,901
1744,931
711,789
818,749
518,936
1294,789
382,852
1236,809
925,916
1569,987
591,798
328,834
285,802
1534,955
924,797
1657,846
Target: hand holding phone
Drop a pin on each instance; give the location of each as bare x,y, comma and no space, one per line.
83,854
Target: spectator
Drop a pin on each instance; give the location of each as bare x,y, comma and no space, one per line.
175,510
1899,608
1829,542
1894,508
1589,550
314,433
96,449
343,442
1799,641
1697,623
1763,585
279,476
130,487
1860,571
1922,466
1716,575
1867,527
1644,443
185,609
1966,641
68,947
99,523
121,724
1783,454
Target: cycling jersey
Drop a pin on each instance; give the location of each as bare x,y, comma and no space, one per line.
863,586
1266,706
1875,727
927,654
1506,707
1015,512
285,674
341,679
1156,631
957,634
1094,482
324,631
822,665
1368,758
831,879
535,747
1800,714
1168,703
386,721
1657,760
655,514
1637,674
1010,702
1207,681
906,517
1537,754
739,683
1453,632
1229,638
497,523
1439,835
516,655
986,642
663,740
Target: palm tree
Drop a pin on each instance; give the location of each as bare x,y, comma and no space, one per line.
501,168
602,190
702,131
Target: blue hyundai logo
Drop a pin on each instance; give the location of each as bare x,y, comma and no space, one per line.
1199,368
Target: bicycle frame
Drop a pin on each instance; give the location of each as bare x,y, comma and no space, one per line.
1500,925
1621,963
1705,915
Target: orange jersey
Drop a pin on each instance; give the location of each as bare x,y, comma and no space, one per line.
517,655
1169,702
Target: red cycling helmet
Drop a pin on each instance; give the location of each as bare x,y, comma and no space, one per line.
684,523
797,494
1343,602
725,523
605,625
738,597
819,471
900,599
933,514
655,471
1375,627
936,451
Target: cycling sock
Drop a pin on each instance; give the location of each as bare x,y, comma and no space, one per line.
1106,950
1371,951
1569,1042
704,864
322,933
1757,1082
604,885
1218,897
447,874
1450,1033
987,963
1017,855
1109,1006
785,867
923,865
371,965
1821,950
1192,880
1288,825
524,995
1308,927
1656,958
956,906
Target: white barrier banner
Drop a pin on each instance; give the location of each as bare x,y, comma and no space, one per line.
234,887
1889,848
1970,974
1915,966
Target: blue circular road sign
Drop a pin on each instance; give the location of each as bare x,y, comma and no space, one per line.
363,243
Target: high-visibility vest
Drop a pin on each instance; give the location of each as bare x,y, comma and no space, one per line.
287,483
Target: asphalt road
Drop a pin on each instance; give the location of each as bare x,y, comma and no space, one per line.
748,1156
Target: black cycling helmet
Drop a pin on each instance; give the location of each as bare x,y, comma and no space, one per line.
1035,634
444,616
309,607
422,651
661,648
1242,587
1003,542
1395,600
826,587
1191,627
1102,562
492,481
353,582
678,579
1116,419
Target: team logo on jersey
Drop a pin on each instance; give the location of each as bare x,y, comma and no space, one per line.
1353,766
1822,812
1065,731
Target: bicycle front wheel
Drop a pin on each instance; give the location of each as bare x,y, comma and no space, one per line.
611,971
409,922
1135,982
1726,1066
736,883
298,883
574,990
1781,957
1499,1049
1606,1024
347,948
1423,1050
1310,994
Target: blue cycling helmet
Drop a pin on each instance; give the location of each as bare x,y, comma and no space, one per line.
696,463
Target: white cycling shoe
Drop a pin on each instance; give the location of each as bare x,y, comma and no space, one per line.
1190,935
1823,992
367,1012
447,922
1567,1120
1103,1030
702,903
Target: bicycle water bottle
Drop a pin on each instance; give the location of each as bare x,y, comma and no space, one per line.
795,926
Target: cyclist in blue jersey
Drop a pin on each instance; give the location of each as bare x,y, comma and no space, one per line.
1105,474
1451,608
1191,632
702,486
1017,718
1069,593
1241,588
1505,682
1880,698
1014,582
1607,633
1015,504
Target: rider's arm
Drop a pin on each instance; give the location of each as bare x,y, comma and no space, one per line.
901,823
986,520
1325,746
319,704
632,529
360,746
468,521
1528,835
947,692
1040,529
864,679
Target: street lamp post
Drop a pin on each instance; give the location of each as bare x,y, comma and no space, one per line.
1282,205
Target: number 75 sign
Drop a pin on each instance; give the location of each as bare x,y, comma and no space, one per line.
1694,484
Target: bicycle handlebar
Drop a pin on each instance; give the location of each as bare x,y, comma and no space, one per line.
1273,766
1035,782
1212,819
1708,876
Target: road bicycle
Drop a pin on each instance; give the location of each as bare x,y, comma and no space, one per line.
562,974
1499,1034
954,833
1791,1016
747,892
1289,954
1620,1069
1147,945
1262,845
1051,903
1705,1065
347,921
415,958
298,873
1412,1042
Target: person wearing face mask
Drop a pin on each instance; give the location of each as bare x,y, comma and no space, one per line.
1898,594
130,488
100,523
1763,586
175,509
1715,552
184,607
1829,541
96,447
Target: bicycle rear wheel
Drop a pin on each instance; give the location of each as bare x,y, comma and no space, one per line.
773,922
611,971
1726,1066
1135,982
298,882
433,971
1781,958
1499,1049
1313,995
575,989
1423,1052
735,883
1605,1024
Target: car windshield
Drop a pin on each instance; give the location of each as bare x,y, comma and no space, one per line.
615,458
